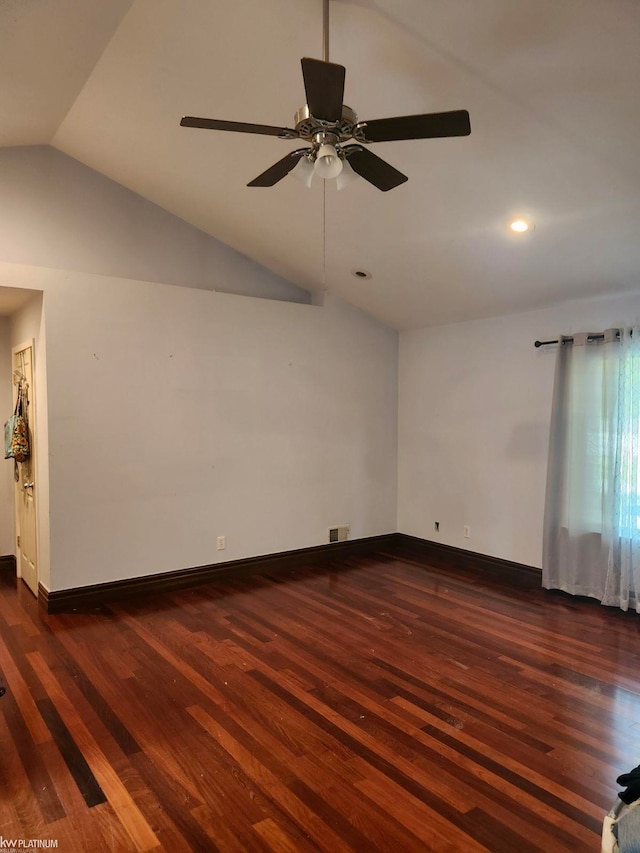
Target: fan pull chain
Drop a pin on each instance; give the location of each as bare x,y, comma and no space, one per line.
324,235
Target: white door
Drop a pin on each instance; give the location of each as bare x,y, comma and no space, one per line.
25,487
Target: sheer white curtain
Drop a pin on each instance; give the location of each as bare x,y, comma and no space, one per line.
592,512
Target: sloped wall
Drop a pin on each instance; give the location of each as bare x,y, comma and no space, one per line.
57,212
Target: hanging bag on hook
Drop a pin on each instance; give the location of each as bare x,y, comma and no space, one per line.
16,430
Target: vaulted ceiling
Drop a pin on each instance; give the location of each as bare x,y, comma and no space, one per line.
550,86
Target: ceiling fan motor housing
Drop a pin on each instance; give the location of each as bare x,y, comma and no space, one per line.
307,126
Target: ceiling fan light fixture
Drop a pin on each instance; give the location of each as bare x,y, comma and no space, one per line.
328,163
303,171
347,176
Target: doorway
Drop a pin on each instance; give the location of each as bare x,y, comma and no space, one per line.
25,481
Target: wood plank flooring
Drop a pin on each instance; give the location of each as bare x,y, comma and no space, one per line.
375,704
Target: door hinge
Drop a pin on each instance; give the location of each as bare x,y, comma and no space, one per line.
18,540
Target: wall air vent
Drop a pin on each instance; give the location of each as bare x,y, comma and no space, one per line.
339,533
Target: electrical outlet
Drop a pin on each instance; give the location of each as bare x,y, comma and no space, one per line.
220,543
466,531
436,526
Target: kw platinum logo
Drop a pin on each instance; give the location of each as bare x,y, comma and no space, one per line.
28,843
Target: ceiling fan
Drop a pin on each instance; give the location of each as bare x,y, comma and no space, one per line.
328,124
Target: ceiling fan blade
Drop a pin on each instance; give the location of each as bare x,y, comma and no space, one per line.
238,126
373,168
279,170
324,87
429,126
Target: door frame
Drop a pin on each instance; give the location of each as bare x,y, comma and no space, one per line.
30,342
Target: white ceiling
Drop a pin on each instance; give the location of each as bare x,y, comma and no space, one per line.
13,298
550,86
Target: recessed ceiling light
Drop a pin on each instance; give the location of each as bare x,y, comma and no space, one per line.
361,274
521,226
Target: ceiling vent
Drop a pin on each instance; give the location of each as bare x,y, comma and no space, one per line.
339,533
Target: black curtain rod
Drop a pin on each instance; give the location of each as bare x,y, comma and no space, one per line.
569,340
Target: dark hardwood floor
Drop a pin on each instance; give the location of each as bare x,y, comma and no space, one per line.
376,704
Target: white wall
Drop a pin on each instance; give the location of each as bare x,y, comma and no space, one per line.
6,465
57,212
474,413
177,415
